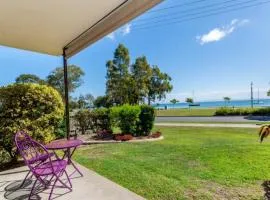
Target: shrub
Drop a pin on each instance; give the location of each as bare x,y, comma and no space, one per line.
61,130
101,119
83,120
126,117
146,120
37,109
225,111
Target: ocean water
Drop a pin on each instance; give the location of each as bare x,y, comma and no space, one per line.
216,104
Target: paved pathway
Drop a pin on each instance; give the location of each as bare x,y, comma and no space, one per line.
213,119
208,125
91,186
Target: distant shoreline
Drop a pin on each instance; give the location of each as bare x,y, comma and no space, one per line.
216,104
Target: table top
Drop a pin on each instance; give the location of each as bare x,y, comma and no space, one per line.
63,144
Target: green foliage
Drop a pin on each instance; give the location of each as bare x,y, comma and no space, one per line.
38,109
56,78
174,101
60,131
117,76
126,117
83,119
146,120
159,85
85,101
226,111
95,120
132,84
189,100
102,101
29,78
141,73
101,119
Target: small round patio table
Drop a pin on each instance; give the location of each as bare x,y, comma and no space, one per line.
68,147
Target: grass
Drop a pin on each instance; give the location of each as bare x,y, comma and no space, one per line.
184,112
190,163
213,122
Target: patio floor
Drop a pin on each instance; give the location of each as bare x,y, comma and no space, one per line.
91,186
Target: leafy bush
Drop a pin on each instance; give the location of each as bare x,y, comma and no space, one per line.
37,109
225,111
101,119
60,131
146,120
83,120
126,117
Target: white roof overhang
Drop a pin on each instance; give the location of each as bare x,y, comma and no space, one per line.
53,25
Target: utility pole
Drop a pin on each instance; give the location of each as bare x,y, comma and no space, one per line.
251,94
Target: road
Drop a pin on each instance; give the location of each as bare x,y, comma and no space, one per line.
208,125
226,119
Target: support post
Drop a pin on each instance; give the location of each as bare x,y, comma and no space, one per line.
66,94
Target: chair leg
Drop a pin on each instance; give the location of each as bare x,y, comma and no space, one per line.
29,197
58,179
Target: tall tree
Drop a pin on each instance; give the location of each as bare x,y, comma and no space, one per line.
226,100
141,73
159,85
117,87
189,100
102,101
85,101
56,78
29,78
174,101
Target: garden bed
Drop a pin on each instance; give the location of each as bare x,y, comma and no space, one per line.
90,139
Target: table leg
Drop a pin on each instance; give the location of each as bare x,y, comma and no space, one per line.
69,155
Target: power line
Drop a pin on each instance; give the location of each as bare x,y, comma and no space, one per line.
202,16
176,6
195,14
186,11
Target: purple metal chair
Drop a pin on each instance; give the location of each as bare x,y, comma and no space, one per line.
46,170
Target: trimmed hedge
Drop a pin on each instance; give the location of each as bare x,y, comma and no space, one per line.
226,111
126,118
146,120
134,120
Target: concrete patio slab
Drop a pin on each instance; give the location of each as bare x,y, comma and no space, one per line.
91,186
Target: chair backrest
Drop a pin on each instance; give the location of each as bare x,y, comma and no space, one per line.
32,152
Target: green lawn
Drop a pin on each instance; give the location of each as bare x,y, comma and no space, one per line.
190,163
184,112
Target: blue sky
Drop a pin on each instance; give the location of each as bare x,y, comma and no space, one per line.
215,56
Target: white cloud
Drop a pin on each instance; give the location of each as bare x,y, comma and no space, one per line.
126,29
111,36
123,31
220,33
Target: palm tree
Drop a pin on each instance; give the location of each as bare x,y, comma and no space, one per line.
174,101
227,100
189,101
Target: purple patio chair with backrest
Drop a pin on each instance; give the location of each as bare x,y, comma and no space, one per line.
46,170
40,159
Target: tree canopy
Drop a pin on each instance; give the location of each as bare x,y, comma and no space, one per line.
29,78
56,78
174,101
189,100
134,83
